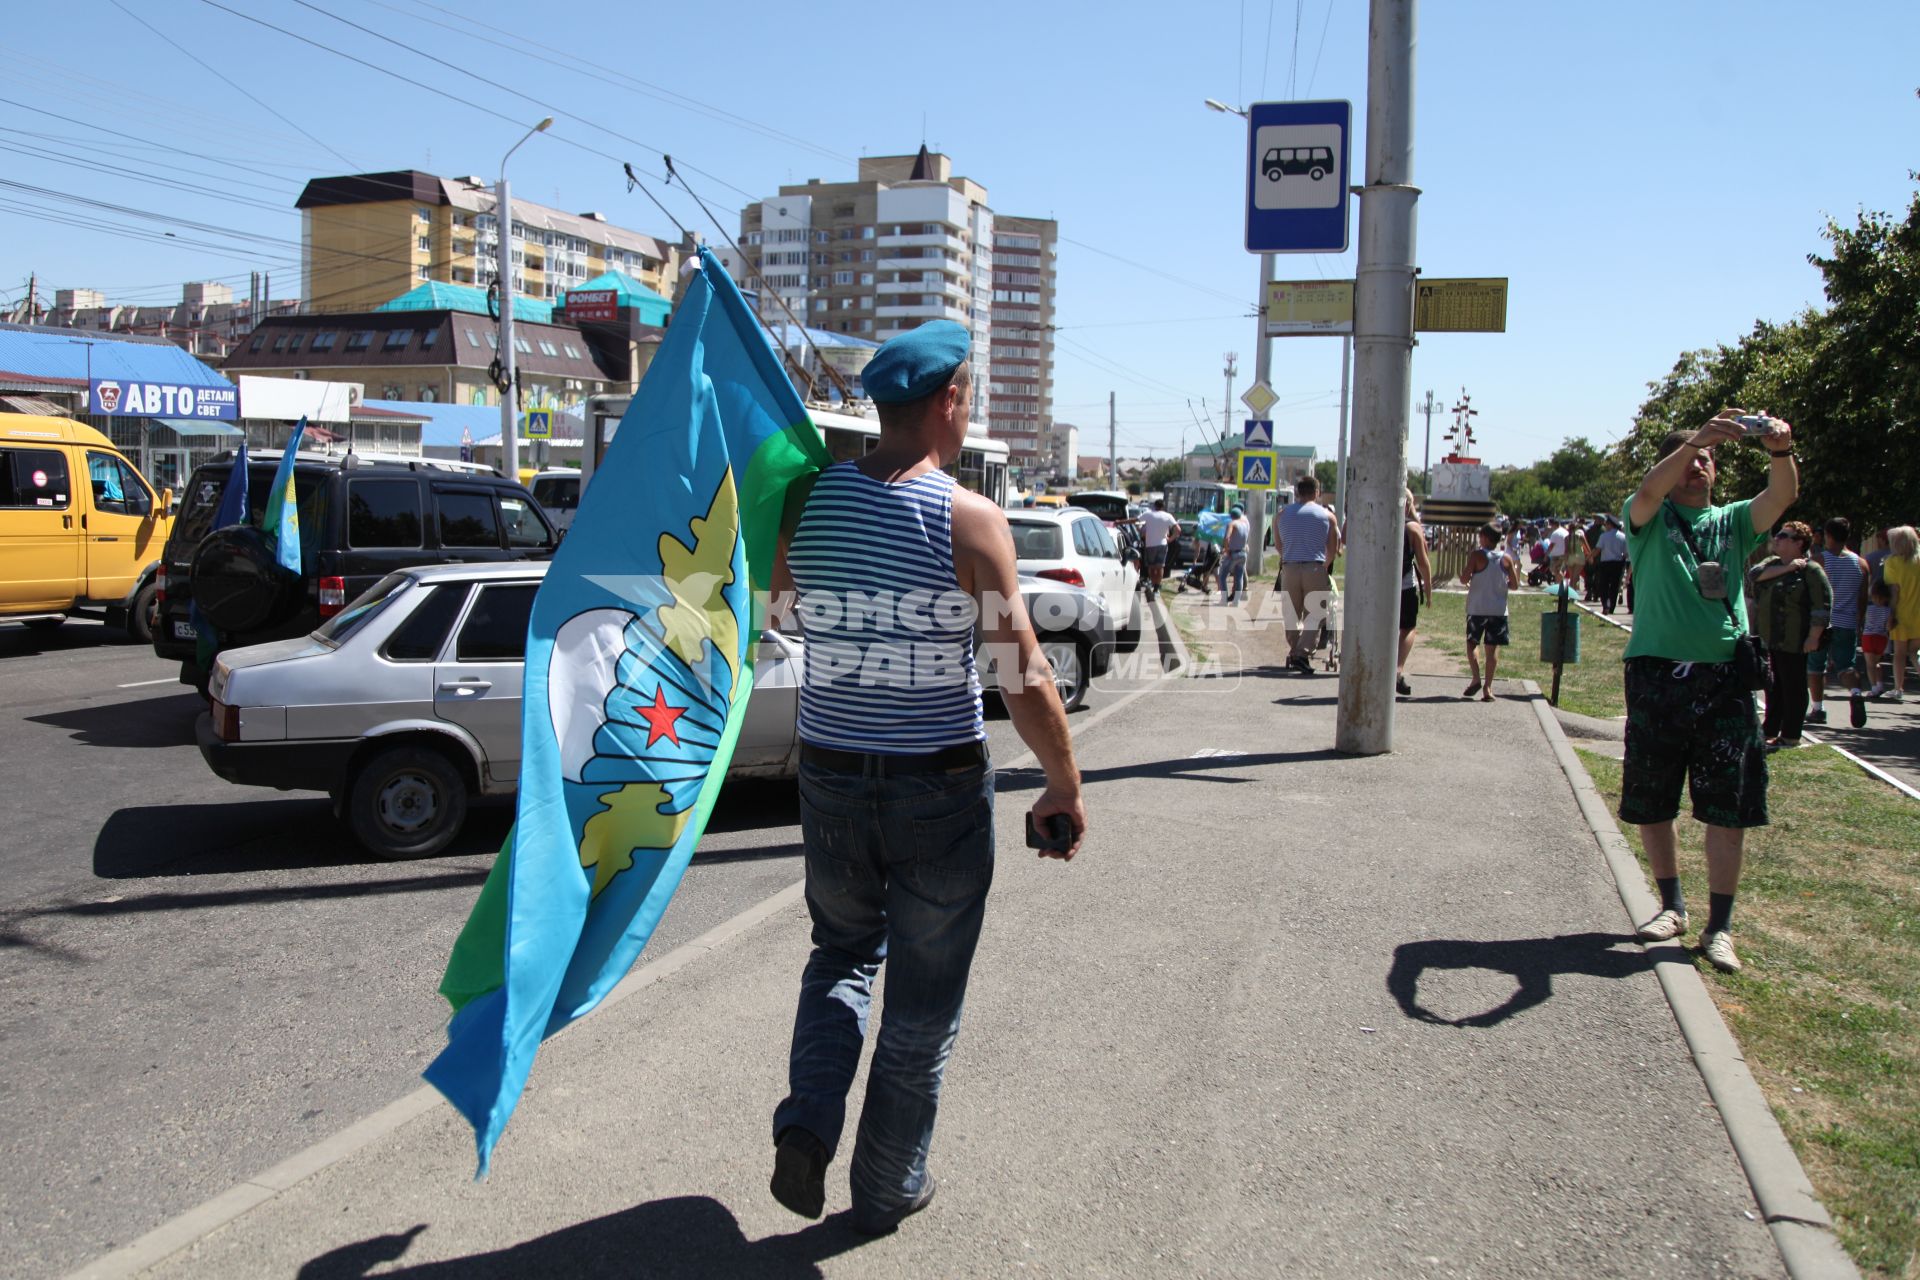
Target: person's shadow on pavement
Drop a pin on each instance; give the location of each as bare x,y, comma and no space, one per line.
1532,962
680,1236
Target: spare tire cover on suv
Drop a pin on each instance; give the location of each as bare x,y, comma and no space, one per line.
238,584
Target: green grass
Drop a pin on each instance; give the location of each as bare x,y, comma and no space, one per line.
1591,687
1828,926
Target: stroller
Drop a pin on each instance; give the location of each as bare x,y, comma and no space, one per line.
1200,569
1326,641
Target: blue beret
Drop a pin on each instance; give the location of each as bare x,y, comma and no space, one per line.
916,363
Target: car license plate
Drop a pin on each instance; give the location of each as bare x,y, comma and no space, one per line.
185,631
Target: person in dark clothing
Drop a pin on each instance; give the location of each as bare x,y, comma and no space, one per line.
1792,605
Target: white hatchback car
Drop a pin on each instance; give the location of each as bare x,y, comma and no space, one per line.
1075,546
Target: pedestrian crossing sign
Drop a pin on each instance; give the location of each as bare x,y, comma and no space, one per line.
539,424
1257,468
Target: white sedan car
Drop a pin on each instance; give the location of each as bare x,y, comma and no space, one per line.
1074,546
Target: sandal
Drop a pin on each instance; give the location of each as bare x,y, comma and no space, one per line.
1471,689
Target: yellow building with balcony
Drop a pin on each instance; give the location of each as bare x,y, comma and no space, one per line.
366,238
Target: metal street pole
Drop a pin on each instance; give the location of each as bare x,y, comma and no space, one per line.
1113,456
1262,377
509,398
1383,351
1427,407
1346,382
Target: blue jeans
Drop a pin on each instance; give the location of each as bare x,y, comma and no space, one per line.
1233,575
897,871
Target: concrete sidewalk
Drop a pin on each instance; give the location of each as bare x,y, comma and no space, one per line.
1289,1014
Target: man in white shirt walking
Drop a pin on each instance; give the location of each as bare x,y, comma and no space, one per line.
1158,532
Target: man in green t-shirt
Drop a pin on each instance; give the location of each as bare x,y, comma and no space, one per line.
1690,718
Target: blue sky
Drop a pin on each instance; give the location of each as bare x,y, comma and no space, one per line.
1650,176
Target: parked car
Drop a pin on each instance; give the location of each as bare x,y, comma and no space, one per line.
358,523
558,492
406,704
1111,507
1075,546
80,528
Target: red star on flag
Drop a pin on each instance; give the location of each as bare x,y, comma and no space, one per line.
660,717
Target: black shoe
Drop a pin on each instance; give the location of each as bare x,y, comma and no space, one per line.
800,1172
1817,717
883,1224
1401,687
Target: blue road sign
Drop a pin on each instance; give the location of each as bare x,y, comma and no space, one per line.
1297,176
1257,434
1257,468
539,424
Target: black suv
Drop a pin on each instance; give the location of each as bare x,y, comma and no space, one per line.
359,521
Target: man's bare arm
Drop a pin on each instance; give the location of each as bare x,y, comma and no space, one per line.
983,560
1670,470
1783,477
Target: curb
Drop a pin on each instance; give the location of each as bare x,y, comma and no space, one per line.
1801,1228
193,1225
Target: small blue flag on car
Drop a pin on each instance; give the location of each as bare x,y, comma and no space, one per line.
282,516
233,500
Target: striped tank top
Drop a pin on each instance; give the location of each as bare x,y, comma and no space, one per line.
889,658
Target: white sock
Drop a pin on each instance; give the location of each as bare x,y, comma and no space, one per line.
1818,706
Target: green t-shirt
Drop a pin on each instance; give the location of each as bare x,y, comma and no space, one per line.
1671,619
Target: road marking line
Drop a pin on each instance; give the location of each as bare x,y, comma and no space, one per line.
195,1224
138,683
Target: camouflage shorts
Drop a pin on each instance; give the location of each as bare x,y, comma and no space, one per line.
1692,723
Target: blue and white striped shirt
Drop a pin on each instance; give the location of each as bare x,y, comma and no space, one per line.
889,659
1843,571
1305,530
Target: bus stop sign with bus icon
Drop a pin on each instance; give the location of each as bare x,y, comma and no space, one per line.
1297,166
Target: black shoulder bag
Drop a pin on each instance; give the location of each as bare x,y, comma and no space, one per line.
1749,656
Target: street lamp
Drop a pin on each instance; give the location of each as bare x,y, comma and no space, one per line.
1217,105
509,406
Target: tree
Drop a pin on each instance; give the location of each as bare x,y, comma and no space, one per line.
1327,473
1847,378
1164,474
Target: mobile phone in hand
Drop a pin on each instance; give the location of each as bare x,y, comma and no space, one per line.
1058,837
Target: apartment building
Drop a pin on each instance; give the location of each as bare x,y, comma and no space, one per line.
1025,251
370,237
905,243
206,322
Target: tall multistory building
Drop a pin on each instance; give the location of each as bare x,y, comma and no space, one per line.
906,242
368,238
1024,255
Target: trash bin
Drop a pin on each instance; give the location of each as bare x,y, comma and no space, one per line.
1558,644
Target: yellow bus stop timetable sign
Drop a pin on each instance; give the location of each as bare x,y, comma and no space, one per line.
1257,468
1459,306
1309,306
1296,307
539,424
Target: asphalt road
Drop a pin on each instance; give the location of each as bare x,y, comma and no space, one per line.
198,980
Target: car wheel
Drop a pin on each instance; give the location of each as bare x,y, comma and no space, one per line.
1069,657
1317,174
143,618
1273,175
407,802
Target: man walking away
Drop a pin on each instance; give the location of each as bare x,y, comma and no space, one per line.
1690,713
1791,604
1158,532
1233,568
1557,550
1612,566
896,791
1847,574
1308,540
1489,575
